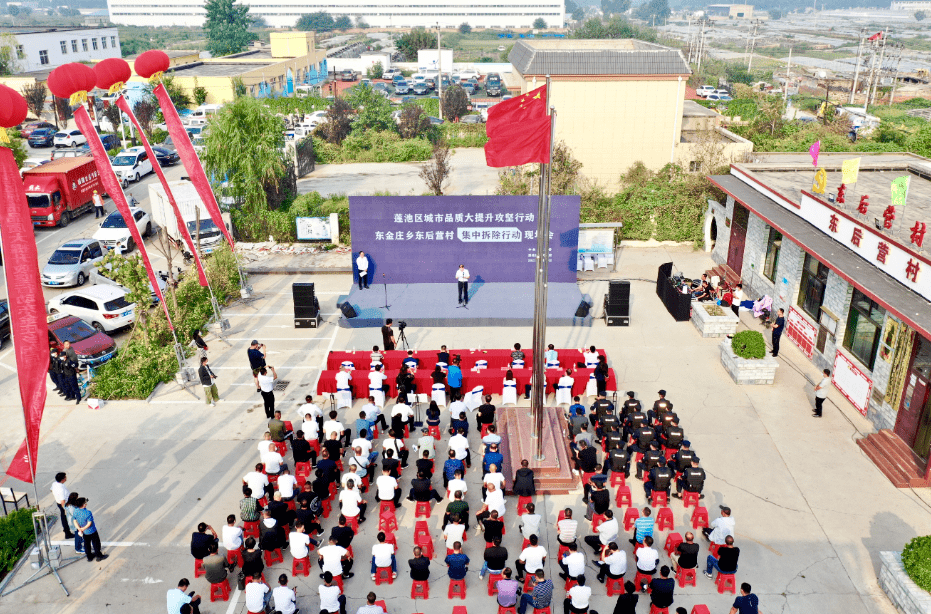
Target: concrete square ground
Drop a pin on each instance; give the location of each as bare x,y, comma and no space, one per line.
812,512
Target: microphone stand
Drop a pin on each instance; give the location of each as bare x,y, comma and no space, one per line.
385,283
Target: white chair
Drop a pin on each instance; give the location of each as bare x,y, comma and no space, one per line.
579,263
474,398
379,394
611,259
715,280
481,364
591,389
439,394
602,261
373,366
509,394
343,398
442,365
564,394
552,364
517,363
348,364
589,263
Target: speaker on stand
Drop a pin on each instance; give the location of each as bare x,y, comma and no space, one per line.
617,304
306,306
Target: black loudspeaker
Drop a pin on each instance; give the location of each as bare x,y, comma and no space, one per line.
618,291
306,322
582,311
301,311
616,314
303,293
347,310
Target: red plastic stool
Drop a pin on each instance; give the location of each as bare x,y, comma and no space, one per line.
220,590
618,479
421,528
713,549
300,567
522,505
388,522
669,452
690,498
597,519
250,529
339,582
672,542
385,506
492,578
199,568
615,586
426,545
699,517
643,578
365,483
631,514
700,609
423,510
527,580
383,575
664,519
727,582
420,589
562,550
261,578
381,603
327,508
234,555
526,543
686,576
656,610
457,588
460,609
389,539
434,432
659,499
506,609
623,496
353,523
545,610
282,447
485,429
570,582
273,556
302,470
314,445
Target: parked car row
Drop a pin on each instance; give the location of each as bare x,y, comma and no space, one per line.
708,92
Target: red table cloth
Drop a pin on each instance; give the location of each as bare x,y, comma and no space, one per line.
496,358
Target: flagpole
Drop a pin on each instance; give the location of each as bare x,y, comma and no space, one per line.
538,392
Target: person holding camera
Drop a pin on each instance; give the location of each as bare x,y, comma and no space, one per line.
256,353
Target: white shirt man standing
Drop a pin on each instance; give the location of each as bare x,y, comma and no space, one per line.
362,263
821,392
462,276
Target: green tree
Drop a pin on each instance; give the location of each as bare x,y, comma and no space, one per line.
920,142
373,111
227,27
9,58
62,109
375,71
113,114
239,88
343,22
539,23
413,121
465,28
435,172
654,10
578,14
320,21
145,111
338,122
616,27
412,42
200,93
360,23
614,7
178,96
35,95
129,272
920,15
571,6
245,147
455,103
18,145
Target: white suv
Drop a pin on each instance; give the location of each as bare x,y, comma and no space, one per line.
132,164
704,90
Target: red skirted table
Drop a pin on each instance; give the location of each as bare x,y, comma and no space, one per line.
568,358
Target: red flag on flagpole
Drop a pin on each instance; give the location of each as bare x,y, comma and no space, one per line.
527,106
518,143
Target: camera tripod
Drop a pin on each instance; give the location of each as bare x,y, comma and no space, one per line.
402,339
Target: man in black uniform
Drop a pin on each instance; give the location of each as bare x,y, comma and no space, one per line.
662,404
599,408
660,479
54,371
635,420
620,461
630,405
643,437
650,460
692,480
683,458
69,376
387,335
672,437
587,458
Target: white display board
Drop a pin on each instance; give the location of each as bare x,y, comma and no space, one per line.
852,382
596,240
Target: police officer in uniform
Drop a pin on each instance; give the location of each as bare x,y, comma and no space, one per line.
631,404
662,404
54,371
619,460
600,408
634,422
643,436
650,460
660,479
692,480
672,437
69,376
683,458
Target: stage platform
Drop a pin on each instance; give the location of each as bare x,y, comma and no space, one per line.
490,304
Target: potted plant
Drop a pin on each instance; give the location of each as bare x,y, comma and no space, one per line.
712,320
905,576
745,359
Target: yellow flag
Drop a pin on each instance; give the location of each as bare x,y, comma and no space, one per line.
820,183
851,169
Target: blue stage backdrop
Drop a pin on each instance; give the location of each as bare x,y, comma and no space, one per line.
424,239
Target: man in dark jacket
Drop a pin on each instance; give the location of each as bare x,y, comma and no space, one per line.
485,413
523,481
54,371
207,380
202,540
69,373
661,589
216,567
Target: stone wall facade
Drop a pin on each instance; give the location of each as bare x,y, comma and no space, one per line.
907,596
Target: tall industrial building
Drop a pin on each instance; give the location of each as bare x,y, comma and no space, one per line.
412,13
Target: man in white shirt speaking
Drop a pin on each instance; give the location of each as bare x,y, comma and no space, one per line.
362,262
462,276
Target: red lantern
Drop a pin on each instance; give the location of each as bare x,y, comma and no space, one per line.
13,107
151,62
112,71
71,78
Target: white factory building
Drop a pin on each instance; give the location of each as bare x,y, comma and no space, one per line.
413,13
49,48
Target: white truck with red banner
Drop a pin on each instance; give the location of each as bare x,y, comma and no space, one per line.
193,213
61,190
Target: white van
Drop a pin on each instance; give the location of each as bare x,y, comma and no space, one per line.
204,111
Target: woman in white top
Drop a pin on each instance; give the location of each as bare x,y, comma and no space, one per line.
591,358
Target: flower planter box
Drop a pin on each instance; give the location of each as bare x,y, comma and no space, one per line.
709,325
745,370
907,596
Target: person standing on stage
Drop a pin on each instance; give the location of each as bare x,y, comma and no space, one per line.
387,335
362,262
462,276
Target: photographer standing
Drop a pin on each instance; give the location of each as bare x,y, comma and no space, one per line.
256,353
387,335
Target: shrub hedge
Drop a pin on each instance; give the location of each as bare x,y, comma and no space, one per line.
916,559
749,344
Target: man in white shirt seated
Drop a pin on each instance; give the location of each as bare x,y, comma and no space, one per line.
492,478
530,522
373,414
258,481
401,416
460,444
273,462
285,597
257,595
492,437
383,556
647,558
606,533
311,427
572,563
232,535
613,563
590,357
578,597
335,426
287,484
334,559
494,500
387,488
350,502
332,600
266,444
299,541
457,406
309,407
531,558
457,483
377,379
342,378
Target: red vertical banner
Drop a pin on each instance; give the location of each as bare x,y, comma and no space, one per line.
112,185
192,165
27,310
124,106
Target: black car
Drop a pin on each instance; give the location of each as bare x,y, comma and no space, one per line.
165,156
421,88
43,137
4,321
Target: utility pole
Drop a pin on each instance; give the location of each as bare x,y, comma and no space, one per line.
701,44
439,66
785,92
882,54
752,42
856,70
690,39
869,83
895,77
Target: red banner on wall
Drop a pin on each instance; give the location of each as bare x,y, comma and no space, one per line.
182,228
803,333
27,310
